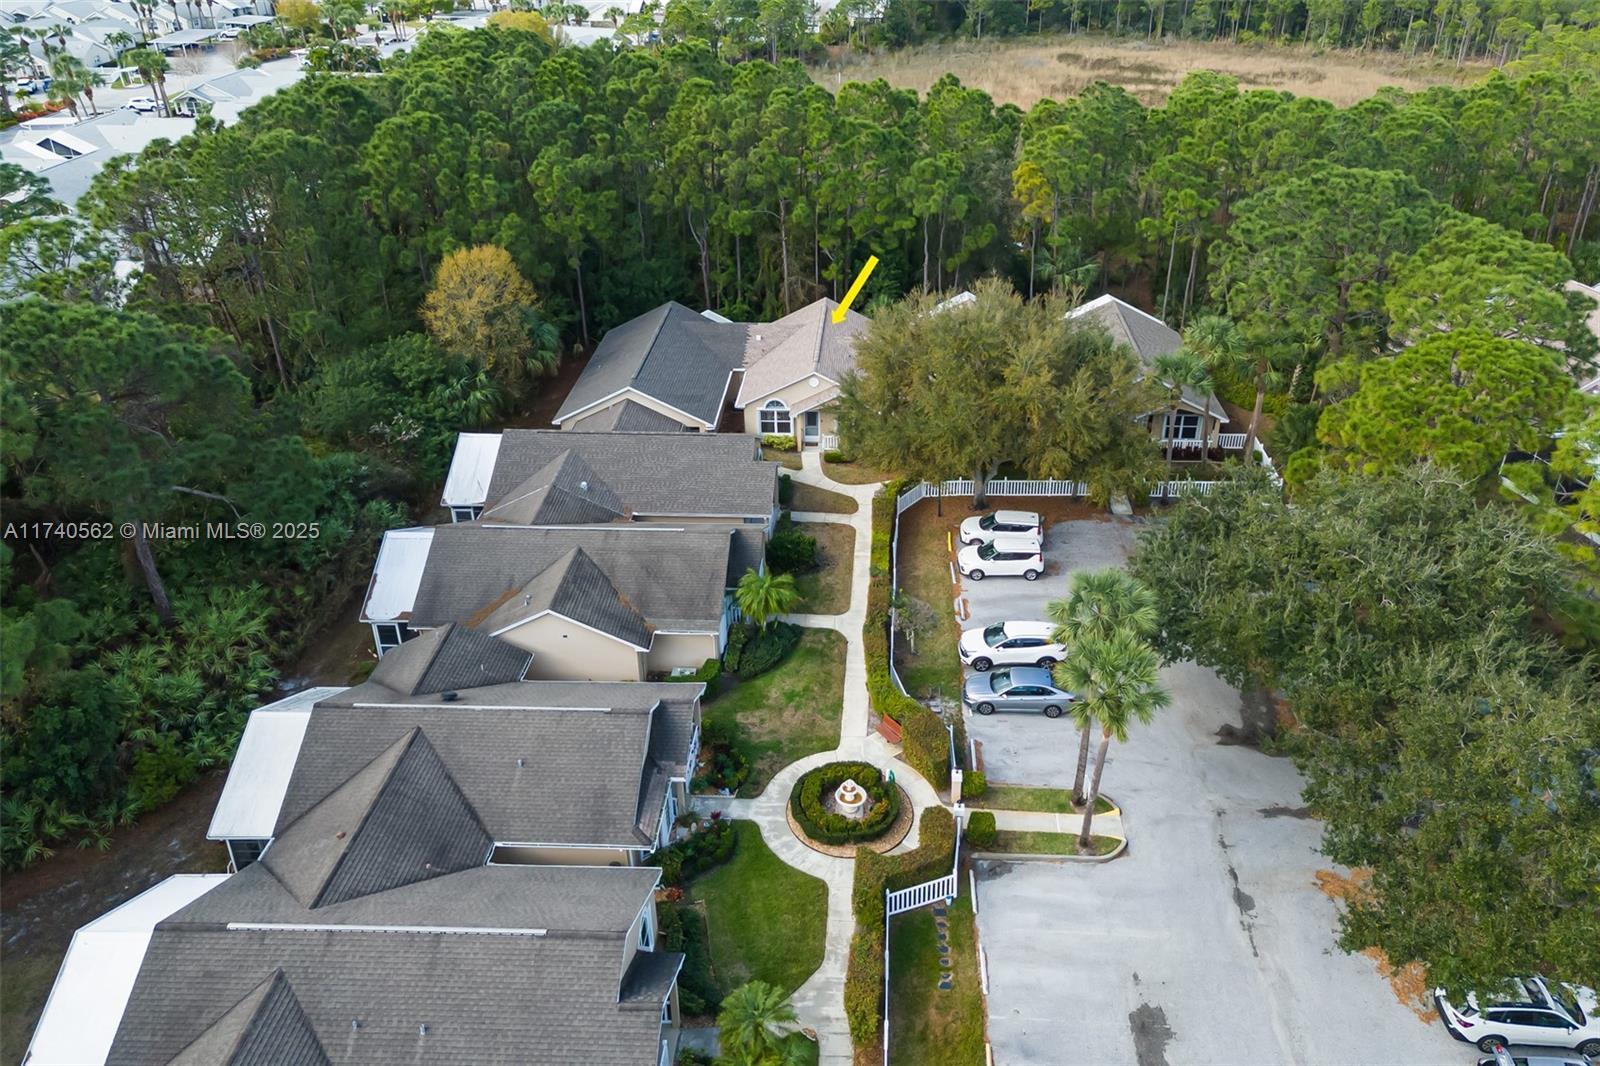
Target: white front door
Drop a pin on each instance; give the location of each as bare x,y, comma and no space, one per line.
813,427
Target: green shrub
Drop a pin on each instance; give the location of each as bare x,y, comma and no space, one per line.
980,828
973,783
791,552
863,987
785,490
709,671
696,853
834,455
767,648
738,638
683,929
159,771
778,442
824,826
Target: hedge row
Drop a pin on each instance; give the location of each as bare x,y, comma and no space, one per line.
876,874
925,743
826,827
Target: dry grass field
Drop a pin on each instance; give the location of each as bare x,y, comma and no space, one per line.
1021,71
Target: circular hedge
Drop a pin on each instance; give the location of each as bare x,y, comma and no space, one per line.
826,827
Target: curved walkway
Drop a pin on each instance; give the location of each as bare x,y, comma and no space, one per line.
819,1002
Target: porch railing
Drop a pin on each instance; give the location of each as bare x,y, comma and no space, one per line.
1231,442
828,442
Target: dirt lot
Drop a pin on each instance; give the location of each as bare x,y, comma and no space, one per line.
1023,70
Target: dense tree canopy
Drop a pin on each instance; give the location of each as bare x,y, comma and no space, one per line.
1447,742
1465,399
997,380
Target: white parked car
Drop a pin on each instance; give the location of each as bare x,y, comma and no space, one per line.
1011,644
1537,1012
144,104
980,529
228,34
1007,555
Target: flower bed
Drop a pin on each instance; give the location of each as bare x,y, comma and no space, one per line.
808,802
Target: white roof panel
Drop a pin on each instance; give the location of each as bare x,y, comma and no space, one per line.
470,469
85,1007
397,573
259,777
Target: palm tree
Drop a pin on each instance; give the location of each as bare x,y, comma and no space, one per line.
1117,680
1099,604
763,596
751,1025
1220,343
60,32
1177,371
152,67
120,41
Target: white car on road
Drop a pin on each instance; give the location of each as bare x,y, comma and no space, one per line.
1537,1012
980,529
144,104
1007,555
1011,644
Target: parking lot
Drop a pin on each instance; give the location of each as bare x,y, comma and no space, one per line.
1211,940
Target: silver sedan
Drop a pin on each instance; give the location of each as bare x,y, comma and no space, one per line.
1020,688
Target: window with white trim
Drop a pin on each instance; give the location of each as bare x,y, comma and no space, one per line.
464,514
1181,426
666,1010
391,635
775,419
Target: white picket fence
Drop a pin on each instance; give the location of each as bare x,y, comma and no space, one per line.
829,442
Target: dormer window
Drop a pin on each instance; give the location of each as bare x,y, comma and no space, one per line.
776,420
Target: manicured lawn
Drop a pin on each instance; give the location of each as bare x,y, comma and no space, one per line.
789,460
767,921
826,590
1028,842
812,498
788,712
1024,798
924,566
854,473
925,1024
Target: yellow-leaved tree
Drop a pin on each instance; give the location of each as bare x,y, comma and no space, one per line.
482,308
531,21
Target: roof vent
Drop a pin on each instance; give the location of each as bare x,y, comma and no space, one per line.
355,1023
449,697
422,1030
583,486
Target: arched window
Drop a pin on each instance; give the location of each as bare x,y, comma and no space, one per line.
775,419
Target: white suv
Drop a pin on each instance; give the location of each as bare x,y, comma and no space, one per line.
1007,555
1011,644
1537,1012
980,529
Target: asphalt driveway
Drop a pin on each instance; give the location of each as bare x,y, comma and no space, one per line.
1021,748
1210,941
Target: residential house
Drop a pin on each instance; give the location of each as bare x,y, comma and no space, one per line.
551,772
547,477
701,372
597,603
336,953
1194,425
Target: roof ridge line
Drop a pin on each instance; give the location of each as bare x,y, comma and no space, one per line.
366,815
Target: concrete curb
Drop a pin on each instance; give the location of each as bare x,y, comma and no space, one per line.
1009,856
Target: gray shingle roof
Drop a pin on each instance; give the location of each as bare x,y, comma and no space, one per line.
565,491
267,1027
594,900
811,344
494,965
749,552
673,578
628,416
585,751
396,820
450,657
655,474
1148,336
670,354
574,587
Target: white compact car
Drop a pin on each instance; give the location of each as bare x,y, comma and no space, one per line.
144,104
1537,1012
1007,555
1011,644
980,529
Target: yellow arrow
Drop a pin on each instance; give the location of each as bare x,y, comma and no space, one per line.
855,288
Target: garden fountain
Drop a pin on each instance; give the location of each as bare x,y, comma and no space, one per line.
850,799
